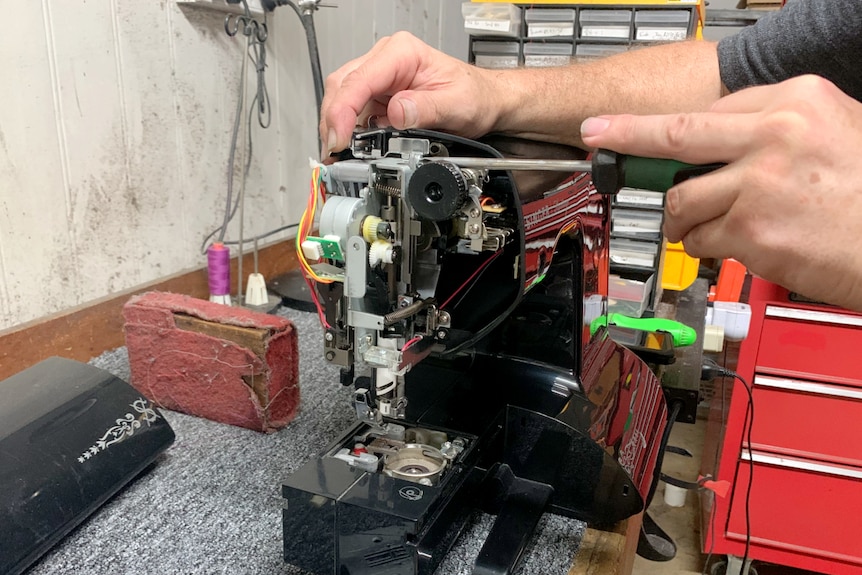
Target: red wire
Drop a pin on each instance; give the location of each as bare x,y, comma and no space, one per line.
313,291
469,279
412,342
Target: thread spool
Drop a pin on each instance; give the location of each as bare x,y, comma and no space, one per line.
218,273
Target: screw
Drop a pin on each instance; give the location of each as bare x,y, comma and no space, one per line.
441,334
330,355
328,336
474,228
474,213
444,317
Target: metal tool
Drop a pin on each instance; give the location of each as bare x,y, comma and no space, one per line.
611,171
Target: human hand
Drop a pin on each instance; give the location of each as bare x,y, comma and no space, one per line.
789,202
405,83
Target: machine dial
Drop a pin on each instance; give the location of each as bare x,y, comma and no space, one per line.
437,191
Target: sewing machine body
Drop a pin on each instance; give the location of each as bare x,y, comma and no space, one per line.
459,313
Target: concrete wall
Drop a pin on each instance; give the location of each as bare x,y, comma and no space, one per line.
115,124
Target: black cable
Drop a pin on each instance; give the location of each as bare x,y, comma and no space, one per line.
710,369
256,52
716,461
665,437
307,18
261,236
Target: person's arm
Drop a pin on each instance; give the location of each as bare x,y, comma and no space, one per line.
407,84
550,104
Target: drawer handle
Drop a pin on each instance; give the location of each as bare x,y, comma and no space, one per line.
808,387
802,464
811,315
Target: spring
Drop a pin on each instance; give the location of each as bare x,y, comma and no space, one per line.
388,190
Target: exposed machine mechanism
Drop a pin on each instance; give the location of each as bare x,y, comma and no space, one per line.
391,218
457,301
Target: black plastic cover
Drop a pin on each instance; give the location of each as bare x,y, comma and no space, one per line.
71,436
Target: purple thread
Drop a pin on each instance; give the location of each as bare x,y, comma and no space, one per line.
218,269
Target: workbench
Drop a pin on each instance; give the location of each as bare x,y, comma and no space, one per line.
212,503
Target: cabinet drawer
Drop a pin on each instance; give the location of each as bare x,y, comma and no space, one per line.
808,343
801,506
808,419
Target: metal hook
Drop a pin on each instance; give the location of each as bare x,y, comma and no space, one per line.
250,26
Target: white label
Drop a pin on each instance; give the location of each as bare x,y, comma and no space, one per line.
549,30
661,34
490,25
624,198
606,32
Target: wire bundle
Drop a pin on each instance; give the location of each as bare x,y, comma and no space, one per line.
316,196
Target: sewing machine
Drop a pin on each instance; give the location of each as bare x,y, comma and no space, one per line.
457,302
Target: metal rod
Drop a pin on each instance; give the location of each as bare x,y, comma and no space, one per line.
519,164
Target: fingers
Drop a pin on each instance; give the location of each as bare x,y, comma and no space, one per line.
697,138
332,89
699,200
389,68
708,240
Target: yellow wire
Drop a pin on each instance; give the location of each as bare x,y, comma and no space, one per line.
308,215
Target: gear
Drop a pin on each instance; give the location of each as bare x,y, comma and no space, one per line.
380,252
437,191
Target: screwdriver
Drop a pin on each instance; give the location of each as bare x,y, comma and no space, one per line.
611,171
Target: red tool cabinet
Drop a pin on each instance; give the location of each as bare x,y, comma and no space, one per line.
804,362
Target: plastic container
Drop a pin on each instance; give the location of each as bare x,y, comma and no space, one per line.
680,269
629,297
488,54
550,22
662,25
674,496
589,51
605,24
539,54
491,19
643,223
633,253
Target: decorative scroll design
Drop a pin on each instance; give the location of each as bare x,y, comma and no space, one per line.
124,428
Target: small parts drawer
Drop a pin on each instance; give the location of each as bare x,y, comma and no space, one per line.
820,345
808,419
800,506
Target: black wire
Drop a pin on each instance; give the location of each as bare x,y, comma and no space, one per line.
256,52
262,236
745,437
749,416
722,424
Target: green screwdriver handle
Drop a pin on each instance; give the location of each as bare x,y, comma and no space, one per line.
612,171
682,334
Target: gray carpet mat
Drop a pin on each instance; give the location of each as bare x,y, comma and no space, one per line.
212,503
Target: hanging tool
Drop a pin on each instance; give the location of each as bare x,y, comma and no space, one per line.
611,171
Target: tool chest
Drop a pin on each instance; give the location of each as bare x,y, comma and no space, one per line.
806,495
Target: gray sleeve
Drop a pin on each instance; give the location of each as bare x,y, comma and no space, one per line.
822,37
